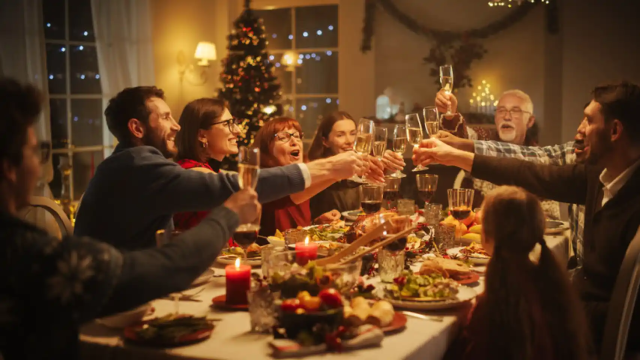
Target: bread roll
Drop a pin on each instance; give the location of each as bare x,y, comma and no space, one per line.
381,314
360,311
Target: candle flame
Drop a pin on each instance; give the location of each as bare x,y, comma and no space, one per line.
306,240
237,263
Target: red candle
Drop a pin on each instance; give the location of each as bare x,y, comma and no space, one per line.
306,252
238,283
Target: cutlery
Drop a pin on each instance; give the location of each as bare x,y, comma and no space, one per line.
423,317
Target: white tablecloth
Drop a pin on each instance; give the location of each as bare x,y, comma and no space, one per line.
232,339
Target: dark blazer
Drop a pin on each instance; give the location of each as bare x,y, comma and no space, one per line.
608,229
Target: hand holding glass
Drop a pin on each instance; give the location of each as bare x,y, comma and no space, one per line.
248,169
414,134
446,81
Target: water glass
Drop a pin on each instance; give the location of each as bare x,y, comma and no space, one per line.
390,264
445,236
266,253
406,207
262,311
391,192
432,213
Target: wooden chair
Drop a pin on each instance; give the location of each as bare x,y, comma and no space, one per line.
622,304
51,207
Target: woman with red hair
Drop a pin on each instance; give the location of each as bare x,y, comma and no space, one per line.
280,143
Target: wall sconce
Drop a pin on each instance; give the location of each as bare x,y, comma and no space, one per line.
205,52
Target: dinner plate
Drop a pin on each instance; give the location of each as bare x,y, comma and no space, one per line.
334,236
470,279
352,215
324,251
231,259
465,294
186,339
476,260
399,322
555,227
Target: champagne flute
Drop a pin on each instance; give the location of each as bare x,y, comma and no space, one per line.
362,145
427,186
446,81
414,134
431,121
248,170
399,144
379,142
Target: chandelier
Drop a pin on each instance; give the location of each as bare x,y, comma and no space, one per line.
509,3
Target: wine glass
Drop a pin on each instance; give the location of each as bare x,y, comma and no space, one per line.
371,198
362,145
460,202
427,185
431,122
446,81
399,144
248,170
414,134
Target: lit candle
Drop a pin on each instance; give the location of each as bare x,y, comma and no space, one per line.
306,252
238,282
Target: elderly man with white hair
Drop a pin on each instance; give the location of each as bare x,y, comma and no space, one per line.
513,118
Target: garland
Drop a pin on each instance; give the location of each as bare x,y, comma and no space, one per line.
457,48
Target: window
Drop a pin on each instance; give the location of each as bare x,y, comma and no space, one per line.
303,43
75,95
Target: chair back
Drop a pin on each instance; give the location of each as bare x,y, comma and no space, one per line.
622,304
51,207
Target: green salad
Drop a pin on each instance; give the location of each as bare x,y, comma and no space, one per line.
422,287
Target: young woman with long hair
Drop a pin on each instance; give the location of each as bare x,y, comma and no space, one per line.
280,143
528,309
208,134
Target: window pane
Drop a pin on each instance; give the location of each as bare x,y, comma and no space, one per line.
83,66
56,68
277,24
318,73
316,26
80,21
84,166
287,107
53,16
56,183
86,122
59,135
283,75
309,112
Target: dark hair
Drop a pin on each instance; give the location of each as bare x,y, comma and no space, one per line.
196,115
317,149
529,308
266,136
130,103
621,101
19,105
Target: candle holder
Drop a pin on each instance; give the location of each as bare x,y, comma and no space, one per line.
262,308
390,264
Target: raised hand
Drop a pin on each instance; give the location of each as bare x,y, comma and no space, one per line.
435,151
375,170
245,204
454,141
393,161
443,100
346,164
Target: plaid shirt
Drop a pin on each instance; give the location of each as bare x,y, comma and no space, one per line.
554,155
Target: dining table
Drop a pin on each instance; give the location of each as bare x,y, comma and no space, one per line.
232,337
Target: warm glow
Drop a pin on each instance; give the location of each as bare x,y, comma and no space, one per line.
291,58
470,101
205,51
306,241
269,109
237,263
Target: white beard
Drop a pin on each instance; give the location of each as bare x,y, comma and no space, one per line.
508,135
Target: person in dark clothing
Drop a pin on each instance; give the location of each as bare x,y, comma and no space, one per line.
607,185
136,190
49,286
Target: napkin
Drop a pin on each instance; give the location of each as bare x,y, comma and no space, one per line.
369,335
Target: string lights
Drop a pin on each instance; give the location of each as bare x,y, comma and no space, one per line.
483,101
509,3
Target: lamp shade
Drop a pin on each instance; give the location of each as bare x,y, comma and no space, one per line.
205,51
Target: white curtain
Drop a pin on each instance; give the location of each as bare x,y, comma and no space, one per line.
123,40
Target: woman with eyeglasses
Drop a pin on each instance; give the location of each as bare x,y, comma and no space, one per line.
280,143
208,134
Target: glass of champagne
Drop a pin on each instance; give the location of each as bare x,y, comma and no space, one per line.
427,185
399,144
371,198
248,170
414,134
460,203
379,142
446,81
431,121
364,139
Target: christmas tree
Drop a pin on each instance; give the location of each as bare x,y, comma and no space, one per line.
249,85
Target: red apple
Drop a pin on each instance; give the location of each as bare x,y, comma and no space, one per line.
331,298
290,305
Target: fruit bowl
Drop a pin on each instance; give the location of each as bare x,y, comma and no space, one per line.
289,278
311,323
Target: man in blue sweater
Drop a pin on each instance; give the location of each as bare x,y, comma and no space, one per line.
136,190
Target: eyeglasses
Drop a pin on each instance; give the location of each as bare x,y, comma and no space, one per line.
231,123
286,136
45,151
515,113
